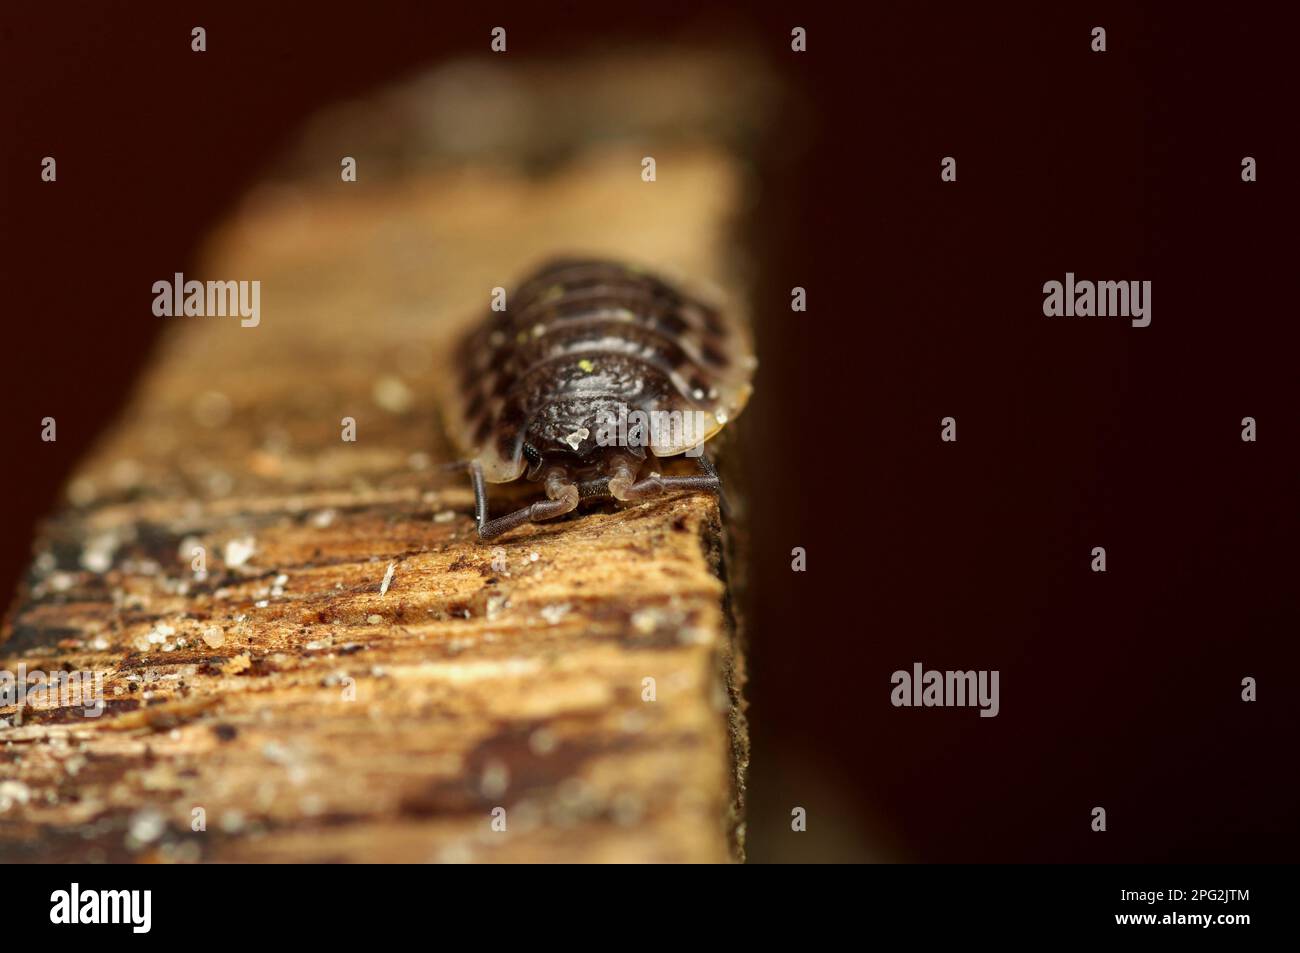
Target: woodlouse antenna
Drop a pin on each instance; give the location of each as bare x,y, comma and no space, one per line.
562,501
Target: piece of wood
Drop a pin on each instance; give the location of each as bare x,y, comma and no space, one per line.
353,675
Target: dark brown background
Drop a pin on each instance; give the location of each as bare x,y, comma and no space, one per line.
1120,690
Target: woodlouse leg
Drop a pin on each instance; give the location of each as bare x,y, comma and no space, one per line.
594,489
563,499
621,488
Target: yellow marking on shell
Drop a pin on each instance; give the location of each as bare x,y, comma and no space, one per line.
586,366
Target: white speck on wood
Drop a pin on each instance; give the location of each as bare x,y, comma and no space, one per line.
239,551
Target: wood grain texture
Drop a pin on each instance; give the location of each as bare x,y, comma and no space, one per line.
355,676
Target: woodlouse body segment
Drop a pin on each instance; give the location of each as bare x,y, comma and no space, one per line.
593,371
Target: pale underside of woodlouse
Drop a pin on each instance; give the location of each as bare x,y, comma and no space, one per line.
593,373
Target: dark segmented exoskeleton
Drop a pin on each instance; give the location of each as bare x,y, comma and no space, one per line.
582,346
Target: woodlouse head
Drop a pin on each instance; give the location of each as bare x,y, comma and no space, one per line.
575,433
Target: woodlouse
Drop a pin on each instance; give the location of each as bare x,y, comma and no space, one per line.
594,372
